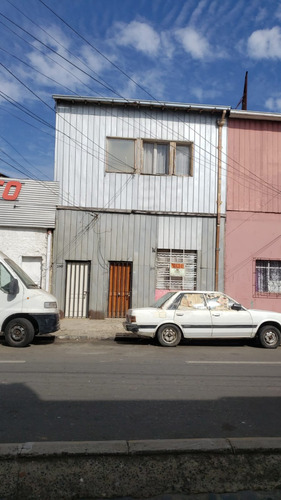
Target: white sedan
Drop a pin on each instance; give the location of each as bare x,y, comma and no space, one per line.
193,315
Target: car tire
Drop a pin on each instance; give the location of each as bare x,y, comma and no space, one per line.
169,335
269,337
19,332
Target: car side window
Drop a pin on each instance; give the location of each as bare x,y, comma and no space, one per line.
192,301
5,279
218,302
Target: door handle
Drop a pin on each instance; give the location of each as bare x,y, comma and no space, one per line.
179,314
215,314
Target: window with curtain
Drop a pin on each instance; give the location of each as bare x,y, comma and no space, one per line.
166,158
268,276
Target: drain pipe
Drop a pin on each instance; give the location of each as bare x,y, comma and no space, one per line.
48,260
220,124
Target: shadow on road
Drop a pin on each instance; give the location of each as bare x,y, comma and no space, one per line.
25,417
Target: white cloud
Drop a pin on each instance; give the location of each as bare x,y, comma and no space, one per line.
193,43
273,104
139,35
265,44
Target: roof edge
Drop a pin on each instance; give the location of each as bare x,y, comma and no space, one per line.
136,103
254,115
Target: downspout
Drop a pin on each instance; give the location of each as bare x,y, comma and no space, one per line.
220,124
48,261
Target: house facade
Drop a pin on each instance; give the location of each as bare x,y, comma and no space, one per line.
27,222
253,237
142,202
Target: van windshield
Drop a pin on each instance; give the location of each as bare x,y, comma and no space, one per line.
28,282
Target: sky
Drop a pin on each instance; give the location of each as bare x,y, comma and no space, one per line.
188,51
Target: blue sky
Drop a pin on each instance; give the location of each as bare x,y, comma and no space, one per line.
192,51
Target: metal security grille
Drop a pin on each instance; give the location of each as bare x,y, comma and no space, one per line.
176,269
268,276
77,289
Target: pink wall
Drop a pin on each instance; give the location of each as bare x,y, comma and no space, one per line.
248,237
253,223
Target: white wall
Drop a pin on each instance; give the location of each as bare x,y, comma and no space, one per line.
21,242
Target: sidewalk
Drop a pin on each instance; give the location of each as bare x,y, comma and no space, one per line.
91,329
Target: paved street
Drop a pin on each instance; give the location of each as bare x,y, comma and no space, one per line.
134,389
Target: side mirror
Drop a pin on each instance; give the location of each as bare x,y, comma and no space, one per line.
14,287
236,306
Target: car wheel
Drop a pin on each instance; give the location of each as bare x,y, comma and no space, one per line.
169,335
269,337
19,332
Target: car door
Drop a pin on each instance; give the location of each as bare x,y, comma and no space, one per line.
193,315
228,322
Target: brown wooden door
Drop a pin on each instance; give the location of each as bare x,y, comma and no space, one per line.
119,289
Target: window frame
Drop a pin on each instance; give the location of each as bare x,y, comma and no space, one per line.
267,293
164,280
132,139
139,156
171,156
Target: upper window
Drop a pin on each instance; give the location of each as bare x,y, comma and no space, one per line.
168,158
268,276
121,155
153,158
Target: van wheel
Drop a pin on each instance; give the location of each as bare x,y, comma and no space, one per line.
19,332
169,335
269,337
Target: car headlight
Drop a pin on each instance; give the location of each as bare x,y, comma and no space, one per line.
50,305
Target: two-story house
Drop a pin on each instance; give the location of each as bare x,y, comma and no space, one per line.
142,202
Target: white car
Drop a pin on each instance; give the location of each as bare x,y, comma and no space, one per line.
193,315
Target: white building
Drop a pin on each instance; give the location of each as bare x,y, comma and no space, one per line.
142,202
27,221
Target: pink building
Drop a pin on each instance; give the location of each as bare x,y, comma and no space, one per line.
253,220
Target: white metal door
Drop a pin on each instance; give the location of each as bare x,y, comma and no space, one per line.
77,289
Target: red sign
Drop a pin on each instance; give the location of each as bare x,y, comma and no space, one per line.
11,190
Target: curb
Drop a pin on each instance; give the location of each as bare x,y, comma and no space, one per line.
112,469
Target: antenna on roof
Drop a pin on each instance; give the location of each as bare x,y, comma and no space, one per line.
244,98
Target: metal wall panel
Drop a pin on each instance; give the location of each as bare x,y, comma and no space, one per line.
105,237
34,207
80,161
254,166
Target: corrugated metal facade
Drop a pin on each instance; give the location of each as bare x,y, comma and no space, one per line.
130,216
102,238
34,207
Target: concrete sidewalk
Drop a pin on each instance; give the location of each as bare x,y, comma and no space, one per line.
91,329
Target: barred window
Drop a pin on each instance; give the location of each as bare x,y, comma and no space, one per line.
176,269
268,276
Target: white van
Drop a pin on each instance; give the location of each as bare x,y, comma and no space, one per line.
25,309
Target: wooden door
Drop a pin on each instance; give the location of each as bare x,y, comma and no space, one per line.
119,289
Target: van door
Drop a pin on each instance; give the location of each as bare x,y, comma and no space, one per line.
9,304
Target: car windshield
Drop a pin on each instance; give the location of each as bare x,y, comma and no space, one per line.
160,302
28,282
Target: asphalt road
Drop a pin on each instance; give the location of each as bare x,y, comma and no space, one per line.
134,389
